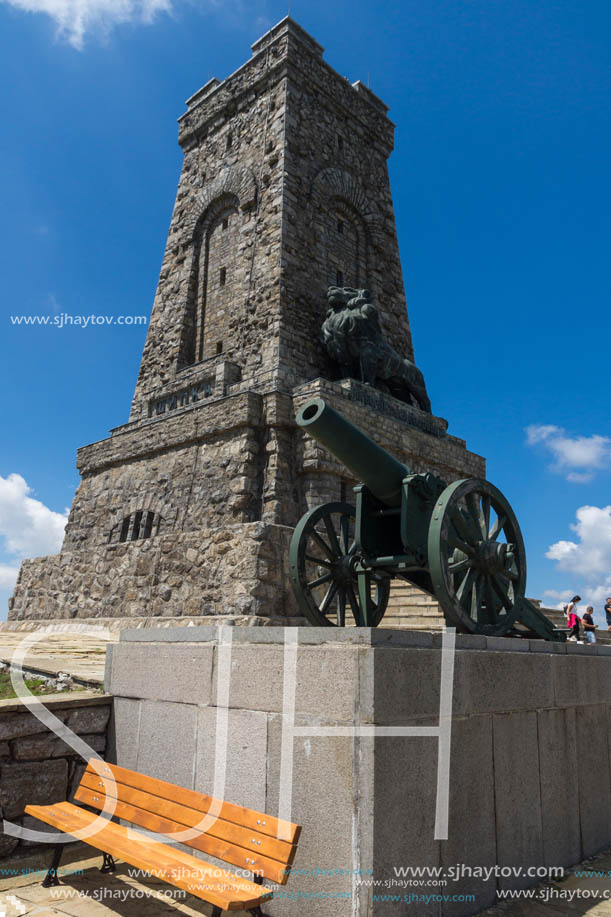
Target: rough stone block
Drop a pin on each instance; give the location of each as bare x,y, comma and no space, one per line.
162,672
593,771
166,747
39,783
88,719
33,824
245,777
517,794
17,725
559,777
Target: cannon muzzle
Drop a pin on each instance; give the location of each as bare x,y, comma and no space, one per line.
367,461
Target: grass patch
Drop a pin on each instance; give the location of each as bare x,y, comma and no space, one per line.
34,683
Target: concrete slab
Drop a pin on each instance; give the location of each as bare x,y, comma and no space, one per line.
333,848
164,730
593,778
572,680
326,676
559,779
517,794
404,815
471,827
245,776
124,733
79,654
162,672
496,682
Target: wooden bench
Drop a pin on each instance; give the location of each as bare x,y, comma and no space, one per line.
239,836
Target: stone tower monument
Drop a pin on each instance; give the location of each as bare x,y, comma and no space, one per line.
187,510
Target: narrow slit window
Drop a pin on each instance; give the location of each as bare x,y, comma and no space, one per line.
226,223
148,525
125,529
223,276
229,141
219,346
136,526
340,142
339,278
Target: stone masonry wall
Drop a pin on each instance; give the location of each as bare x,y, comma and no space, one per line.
37,767
231,572
284,190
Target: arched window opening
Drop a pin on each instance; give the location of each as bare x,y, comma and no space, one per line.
346,246
215,276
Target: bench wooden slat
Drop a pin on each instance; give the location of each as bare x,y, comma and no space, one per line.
201,802
250,860
227,891
269,847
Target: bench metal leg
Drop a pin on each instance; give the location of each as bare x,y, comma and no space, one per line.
216,911
109,864
256,912
51,880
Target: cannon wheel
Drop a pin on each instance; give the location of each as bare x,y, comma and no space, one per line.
476,558
322,566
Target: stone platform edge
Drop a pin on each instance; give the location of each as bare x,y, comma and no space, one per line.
359,636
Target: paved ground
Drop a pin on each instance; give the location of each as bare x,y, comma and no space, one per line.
88,893
79,654
91,894
583,894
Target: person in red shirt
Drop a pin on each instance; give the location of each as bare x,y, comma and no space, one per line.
573,619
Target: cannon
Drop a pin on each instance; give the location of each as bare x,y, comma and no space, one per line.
460,542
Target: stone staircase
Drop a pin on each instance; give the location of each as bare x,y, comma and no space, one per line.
556,616
410,608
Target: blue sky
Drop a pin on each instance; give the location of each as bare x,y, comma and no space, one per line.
502,194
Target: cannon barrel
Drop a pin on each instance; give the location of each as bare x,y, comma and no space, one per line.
368,462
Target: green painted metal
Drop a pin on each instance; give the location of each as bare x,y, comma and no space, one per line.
325,571
461,543
368,462
353,337
476,558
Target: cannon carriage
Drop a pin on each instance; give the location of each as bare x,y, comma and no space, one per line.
460,543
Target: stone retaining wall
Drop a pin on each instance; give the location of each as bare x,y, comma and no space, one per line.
530,719
36,766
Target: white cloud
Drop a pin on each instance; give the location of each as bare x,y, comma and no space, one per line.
77,18
577,457
29,528
587,559
8,576
554,598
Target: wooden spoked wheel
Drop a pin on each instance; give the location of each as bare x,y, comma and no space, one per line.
476,558
323,569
